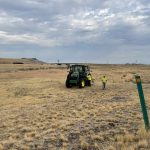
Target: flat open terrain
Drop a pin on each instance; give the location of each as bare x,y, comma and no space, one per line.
37,111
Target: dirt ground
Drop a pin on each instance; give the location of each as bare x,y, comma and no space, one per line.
37,111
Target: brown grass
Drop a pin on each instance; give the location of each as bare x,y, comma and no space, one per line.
37,111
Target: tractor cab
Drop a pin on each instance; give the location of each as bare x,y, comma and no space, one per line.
79,68
78,76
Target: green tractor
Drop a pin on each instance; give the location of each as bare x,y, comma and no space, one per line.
79,75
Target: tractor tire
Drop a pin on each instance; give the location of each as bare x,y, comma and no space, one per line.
89,83
68,84
81,83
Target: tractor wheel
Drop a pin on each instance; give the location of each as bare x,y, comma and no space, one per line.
68,84
89,83
81,83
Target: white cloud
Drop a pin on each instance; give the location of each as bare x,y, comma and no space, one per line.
103,12
135,20
27,38
88,24
5,18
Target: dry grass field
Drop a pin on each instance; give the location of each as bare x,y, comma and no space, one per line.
37,111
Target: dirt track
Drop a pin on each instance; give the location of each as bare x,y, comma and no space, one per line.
38,112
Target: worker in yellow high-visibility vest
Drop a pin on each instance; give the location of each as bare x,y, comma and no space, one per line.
104,81
89,78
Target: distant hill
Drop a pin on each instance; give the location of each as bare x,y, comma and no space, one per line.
20,61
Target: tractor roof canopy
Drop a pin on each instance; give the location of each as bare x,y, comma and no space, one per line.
79,68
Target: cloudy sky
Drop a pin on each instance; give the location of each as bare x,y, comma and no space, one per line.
97,31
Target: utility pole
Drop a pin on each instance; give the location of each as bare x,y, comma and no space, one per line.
58,61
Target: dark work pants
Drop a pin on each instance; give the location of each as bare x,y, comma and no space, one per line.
104,85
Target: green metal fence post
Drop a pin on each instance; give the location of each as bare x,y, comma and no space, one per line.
142,101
